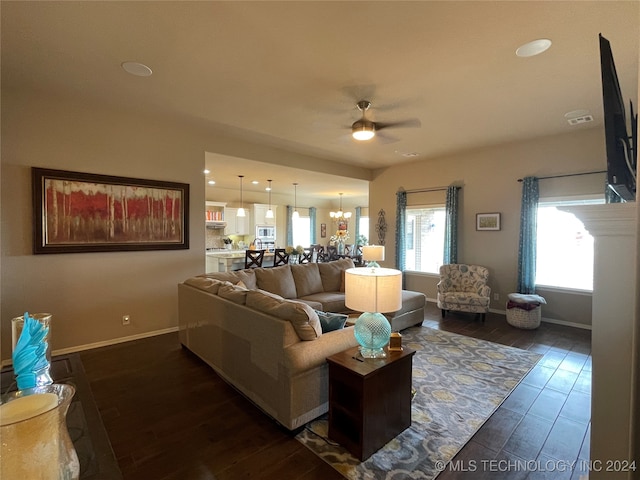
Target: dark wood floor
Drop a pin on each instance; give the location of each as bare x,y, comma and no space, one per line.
170,417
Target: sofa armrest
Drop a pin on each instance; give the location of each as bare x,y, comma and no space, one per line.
303,356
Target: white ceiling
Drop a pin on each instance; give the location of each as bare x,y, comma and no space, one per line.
288,74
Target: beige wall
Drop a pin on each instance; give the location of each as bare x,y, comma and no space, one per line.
489,184
88,293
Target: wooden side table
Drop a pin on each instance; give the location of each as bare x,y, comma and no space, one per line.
369,399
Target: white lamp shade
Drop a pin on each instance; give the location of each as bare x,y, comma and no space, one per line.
373,253
373,290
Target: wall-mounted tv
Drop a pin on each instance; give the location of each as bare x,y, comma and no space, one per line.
622,147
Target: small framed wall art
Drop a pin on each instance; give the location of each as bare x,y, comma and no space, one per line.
487,221
323,230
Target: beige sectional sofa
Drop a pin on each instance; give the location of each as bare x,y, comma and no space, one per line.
259,330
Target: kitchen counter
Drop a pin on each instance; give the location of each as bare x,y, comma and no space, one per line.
228,260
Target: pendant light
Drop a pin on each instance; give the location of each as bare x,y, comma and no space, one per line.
269,213
295,201
241,209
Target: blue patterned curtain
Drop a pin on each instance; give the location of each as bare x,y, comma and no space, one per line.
289,225
356,230
312,221
528,232
401,223
451,226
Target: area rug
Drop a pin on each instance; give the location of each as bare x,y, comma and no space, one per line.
459,382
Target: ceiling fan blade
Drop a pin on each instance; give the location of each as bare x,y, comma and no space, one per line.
383,138
411,123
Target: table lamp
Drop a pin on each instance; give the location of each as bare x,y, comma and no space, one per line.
373,254
372,291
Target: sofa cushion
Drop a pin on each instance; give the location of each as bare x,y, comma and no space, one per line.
331,321
278,280
330,273
304,319
329,301
307,279
210,285
247,276
234,293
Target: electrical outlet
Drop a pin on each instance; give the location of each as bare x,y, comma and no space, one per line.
126,320
496,296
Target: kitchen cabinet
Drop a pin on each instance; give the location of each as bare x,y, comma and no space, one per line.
237,225
260,214
214,214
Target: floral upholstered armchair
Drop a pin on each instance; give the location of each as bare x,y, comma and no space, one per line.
464,288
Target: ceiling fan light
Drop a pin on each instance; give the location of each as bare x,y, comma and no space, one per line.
363,130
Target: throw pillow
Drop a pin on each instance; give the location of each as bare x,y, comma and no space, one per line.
234,293
208,284
301,316
331,321
248,277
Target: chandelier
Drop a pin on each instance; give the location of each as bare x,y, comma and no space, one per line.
340,215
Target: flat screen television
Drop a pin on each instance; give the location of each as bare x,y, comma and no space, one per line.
622,147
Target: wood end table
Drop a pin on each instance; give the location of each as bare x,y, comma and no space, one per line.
369,399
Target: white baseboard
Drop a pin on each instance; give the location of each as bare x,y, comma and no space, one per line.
106,343
565,323
550,320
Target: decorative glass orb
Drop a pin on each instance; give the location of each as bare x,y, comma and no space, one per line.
372,331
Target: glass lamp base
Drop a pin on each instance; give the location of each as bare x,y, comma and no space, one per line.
372,352
372,331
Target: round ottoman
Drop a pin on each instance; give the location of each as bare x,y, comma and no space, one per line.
521,318
524,311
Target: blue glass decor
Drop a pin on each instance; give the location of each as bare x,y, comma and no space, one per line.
372,331
31,362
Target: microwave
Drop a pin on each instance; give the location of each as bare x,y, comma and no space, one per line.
265,231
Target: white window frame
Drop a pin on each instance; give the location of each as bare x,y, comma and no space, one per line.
566,201
298,228
440,252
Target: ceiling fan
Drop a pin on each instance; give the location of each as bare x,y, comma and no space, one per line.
365,129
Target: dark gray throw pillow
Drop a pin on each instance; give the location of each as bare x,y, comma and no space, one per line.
331,321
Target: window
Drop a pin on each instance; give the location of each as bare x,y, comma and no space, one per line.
363,228
302,231
424,238
564,247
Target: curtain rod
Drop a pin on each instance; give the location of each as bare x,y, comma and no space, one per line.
421,190
569,175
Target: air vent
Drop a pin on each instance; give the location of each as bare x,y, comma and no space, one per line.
579,120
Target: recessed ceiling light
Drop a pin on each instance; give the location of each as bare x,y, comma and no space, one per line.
255,182
137,69
535,47
211,182
206,171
